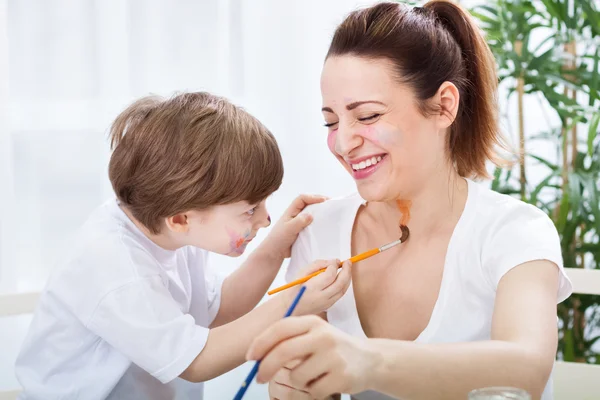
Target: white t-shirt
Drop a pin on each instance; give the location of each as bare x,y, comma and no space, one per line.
494,234
121,318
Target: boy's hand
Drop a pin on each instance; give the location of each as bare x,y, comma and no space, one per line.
323,290
286,230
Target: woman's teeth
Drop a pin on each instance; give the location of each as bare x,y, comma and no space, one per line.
366,163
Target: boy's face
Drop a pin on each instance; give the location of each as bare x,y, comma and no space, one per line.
226,229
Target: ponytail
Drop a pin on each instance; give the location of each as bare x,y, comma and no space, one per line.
476,124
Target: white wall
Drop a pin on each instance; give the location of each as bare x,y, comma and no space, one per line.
71,66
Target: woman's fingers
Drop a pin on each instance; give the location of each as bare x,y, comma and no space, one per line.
325,384
278,391
311,370
281,386
281,330
297,347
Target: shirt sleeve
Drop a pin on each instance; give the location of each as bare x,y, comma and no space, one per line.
522,235
301,255
214,283
142,321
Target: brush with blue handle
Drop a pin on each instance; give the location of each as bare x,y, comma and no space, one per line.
254,370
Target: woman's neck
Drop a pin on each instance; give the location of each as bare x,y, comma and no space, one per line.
439,202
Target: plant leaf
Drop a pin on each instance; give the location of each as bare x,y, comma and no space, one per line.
496,181
575,192
594,80
563,212
589,183
547,163
542,185
592,132
591,342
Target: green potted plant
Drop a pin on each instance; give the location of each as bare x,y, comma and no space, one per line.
562,70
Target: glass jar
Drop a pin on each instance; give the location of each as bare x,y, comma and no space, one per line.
499,393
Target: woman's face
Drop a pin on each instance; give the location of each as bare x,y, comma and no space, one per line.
376,130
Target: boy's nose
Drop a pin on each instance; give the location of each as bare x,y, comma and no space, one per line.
264,220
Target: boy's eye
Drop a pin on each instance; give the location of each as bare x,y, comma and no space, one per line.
251,211
330,124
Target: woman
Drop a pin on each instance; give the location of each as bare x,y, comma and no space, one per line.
469,300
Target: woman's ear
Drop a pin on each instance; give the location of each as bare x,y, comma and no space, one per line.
448,98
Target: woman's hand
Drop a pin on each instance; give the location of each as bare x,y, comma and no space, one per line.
282,388
285,231
332,361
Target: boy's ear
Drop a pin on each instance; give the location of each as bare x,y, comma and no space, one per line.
178,223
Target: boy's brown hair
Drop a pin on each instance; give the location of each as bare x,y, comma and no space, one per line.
190,152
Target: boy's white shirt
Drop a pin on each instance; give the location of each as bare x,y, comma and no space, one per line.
495,233
121,318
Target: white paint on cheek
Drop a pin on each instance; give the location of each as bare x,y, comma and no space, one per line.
389,137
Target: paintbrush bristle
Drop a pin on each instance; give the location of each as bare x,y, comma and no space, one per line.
405,233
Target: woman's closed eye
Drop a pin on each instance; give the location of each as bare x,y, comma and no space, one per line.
369,118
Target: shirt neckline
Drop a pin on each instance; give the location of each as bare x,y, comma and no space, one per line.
447,277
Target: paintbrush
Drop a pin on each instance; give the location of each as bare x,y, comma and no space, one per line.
355,259
254,369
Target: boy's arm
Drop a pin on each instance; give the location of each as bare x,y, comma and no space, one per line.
227,345
244,288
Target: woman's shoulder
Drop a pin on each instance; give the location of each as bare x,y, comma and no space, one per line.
504,227
334,209
509,232
494,208
332,219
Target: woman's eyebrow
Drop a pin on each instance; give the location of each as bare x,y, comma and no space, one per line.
353,105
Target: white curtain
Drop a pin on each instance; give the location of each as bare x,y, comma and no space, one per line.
67,68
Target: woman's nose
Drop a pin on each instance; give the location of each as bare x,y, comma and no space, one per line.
347,140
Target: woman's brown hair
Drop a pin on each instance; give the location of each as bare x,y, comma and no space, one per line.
190,152
428,46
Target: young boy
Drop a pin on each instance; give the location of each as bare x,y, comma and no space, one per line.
133,305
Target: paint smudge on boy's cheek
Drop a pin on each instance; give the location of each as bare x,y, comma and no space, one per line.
238,242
